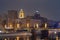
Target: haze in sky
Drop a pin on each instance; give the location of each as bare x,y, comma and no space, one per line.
47,8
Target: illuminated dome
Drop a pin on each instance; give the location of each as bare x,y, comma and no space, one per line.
21,14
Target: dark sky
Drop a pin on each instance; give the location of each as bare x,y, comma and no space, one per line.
47,8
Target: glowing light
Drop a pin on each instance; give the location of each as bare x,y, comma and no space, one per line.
28,24
11,25
57,38
21,14
5,26
45,25
17,38
5,39
18,25
37,25
55,32
37,11
0,31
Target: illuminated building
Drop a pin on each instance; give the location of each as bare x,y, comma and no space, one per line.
21,14
11,17
21,21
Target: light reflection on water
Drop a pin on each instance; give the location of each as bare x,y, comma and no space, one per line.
19,38
23,38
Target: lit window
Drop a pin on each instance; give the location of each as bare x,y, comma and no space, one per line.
10,25
37,25
21,14
5,26
17,38
45,25
27,24
18,25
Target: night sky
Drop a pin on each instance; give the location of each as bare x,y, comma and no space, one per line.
47,8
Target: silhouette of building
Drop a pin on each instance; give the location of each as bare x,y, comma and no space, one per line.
12,14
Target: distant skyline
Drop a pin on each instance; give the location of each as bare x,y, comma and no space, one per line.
47,8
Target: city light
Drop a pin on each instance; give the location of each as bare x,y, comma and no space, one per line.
28,25
45,25
37,25
10,25
29,19
55,32
21,14
17,38
0,31
18,25
5,39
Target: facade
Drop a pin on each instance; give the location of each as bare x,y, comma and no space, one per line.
12,15
21,22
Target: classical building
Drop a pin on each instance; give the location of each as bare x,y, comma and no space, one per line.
21,22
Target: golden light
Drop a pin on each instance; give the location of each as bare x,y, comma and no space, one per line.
17,38
10,25
37,25
18,25
55,32
5,26
21,14
45,25
28,24
5,39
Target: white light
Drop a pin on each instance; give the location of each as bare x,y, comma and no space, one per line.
45,25
37,11
0,31
55,32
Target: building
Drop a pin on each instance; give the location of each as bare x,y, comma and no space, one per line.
21,14
21,21
11,17
12,14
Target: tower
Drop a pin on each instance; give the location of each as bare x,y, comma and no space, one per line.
12,14
21,14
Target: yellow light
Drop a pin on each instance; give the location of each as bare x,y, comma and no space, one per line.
45,25
5,26
21,14
10,25
55,32
37,25
17,38
57,38
18,25
28,24
5,39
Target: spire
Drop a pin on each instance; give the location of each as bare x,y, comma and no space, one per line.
21,14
